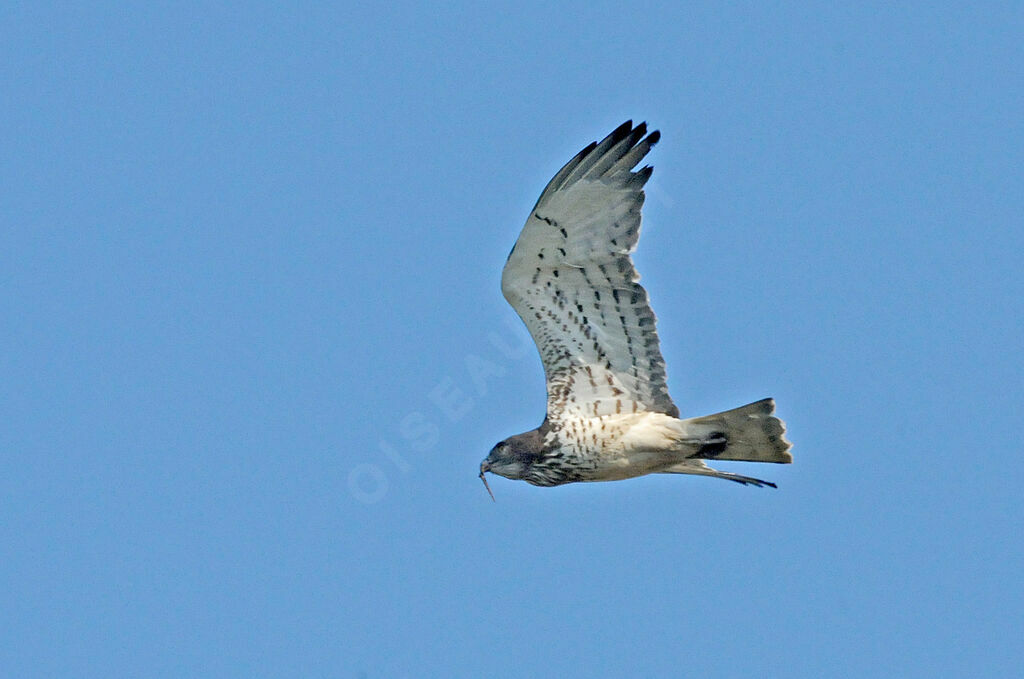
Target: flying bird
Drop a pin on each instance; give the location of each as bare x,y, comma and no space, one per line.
570,278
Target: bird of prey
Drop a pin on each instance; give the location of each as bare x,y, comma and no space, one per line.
570,278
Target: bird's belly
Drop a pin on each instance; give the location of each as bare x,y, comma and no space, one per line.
630,465
621,447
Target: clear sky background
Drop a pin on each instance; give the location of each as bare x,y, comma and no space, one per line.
254,348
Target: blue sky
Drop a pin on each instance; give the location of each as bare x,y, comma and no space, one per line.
254,347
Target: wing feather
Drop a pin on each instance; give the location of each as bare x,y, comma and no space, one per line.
571,280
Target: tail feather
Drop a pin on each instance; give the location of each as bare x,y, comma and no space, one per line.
750,433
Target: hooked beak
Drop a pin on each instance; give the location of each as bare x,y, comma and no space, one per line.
483,468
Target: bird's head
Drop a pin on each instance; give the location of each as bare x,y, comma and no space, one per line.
512,458
503,460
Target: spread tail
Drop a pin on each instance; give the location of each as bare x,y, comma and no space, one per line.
750,433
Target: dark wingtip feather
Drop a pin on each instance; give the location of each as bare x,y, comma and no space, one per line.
750,481
642,175
619,133
595,155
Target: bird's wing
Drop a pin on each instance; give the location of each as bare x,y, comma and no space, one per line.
571,280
